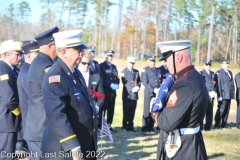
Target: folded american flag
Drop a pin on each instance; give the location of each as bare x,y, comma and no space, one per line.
105,129
162,94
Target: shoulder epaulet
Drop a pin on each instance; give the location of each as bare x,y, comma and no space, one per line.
4,77
54,78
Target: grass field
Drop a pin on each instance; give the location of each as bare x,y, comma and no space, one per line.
220,144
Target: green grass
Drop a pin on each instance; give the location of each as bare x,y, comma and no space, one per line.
220,144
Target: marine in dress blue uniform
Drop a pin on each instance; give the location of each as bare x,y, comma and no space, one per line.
208,77
71,122
131,85
180,135
30,51
110,85
225,92
9,102
36,115
237,81
151,79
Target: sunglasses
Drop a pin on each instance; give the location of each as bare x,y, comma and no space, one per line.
84,63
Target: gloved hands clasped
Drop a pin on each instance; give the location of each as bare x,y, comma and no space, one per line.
135,89
211,94
114,86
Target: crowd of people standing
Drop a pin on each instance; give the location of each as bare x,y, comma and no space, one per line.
54,101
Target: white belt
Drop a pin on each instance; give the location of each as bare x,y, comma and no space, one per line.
189,130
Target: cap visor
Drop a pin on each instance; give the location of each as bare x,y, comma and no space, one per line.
81,46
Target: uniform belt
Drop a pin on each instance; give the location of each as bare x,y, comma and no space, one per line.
189,130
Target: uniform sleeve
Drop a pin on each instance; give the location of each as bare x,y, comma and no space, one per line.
55,97
101,91
146,83
237,81
138,80
8,96
106,82
177,108
118,80
219,84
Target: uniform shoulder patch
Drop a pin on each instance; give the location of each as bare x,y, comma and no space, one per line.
4,77
46,69
172,99
122,74
53,79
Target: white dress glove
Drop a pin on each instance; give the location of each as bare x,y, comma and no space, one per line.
156,90
112,86
152,103
212,94
219,98
116,86
135,89
97,109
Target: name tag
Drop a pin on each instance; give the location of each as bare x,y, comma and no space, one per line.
94,82
107,71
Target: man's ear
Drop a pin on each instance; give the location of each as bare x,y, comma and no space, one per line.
179,57
63,52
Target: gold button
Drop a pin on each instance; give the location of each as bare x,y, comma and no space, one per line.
93,130
93,117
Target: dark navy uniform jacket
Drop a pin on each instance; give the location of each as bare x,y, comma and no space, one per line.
164,72
71,115
22,91
95,68
8,99
237,81
186,107
225,85
110,75
36,115
151,78
209,79
130,79
95,83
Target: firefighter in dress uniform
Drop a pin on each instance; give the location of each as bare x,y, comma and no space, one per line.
151,79
10,114
131,85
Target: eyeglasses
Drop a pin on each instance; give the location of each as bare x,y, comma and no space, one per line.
78,50
17,54
85,63
208,64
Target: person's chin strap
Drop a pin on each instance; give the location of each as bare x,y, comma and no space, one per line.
174,65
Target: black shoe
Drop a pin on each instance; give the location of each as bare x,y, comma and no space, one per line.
133,130
217,127
111,129
227,127
151,130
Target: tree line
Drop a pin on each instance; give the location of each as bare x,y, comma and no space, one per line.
212,25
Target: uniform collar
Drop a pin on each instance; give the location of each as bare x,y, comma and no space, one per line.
182,72
8,64
45,56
